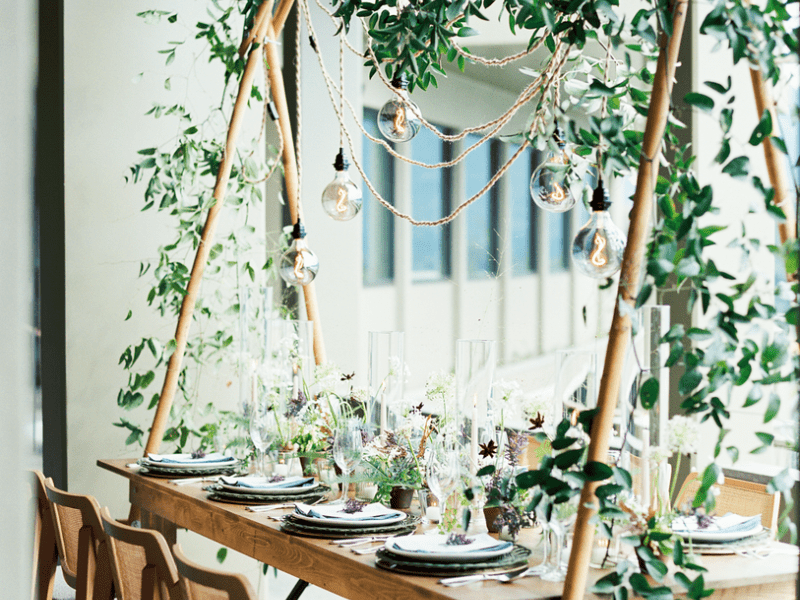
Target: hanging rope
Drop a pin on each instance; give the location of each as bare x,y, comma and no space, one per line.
267,95
298,111
553,71
341,83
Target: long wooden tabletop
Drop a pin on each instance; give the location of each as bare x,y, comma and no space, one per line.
356,577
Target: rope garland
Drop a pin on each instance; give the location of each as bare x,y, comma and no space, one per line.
298,111
553,70
271,171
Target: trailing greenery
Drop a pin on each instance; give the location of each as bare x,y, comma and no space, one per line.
596,61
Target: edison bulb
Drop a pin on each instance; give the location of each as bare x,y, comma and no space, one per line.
398,119
298,265
341,198
599,245
549,185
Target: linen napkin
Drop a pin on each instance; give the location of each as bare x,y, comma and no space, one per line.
729,523
263,483
371,512
436,544
213,457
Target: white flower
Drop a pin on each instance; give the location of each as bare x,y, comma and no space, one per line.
683,434
539,402
506,394
659,453
326,378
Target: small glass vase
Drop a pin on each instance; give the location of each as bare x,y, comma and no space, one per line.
386,375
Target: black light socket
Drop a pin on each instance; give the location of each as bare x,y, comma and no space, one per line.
400,81
600,199
340,164
272,111
559,136
298,232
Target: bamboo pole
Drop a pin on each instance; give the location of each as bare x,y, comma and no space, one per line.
575,583
204,247
290,174
785,194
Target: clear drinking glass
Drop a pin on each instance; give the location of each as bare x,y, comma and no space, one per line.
347,448
561,520
264,431
444,472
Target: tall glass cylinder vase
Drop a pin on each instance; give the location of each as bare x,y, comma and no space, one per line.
286,369
475,363
386,375
576,383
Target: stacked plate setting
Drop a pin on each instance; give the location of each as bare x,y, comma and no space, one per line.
332,522
178,465
265,490
432,555
724,535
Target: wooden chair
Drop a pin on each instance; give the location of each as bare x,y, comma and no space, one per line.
143,568
741,497
45,551
81,542
201,583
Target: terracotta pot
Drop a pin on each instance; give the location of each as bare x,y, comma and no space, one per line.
401,497
490,513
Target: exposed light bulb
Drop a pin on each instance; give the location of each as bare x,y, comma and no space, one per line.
298,265
599,245
549,185
398,119
341,198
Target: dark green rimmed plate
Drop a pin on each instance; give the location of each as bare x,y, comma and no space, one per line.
175,472
219,494
518,557
297,527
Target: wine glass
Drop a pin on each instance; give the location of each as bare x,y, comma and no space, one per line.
561,520
264,430
443,473
347,448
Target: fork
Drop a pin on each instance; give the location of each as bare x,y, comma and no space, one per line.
467,579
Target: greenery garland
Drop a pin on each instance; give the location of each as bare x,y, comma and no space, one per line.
747,341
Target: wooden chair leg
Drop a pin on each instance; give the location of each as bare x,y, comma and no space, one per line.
87,568
45,561
149,583
104,580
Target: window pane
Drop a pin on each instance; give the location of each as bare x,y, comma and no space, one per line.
428,203
559,240
378,240
480,256
522,214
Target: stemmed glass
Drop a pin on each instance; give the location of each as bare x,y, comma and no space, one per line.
560,522
443,473
264,430
347,448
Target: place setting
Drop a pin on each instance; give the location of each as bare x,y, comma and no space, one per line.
347,520
726,534
256,489
446,555
185,464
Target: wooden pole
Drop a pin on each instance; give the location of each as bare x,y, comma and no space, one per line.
785,194
575,583
290,174
204,247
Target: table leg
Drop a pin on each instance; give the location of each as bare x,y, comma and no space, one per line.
298,589
166,528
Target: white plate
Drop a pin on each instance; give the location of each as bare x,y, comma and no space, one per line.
201,463
334,515
266,491
434,548
716,536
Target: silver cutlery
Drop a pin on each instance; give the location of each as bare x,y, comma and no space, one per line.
266,507
184,481
362,540
467,579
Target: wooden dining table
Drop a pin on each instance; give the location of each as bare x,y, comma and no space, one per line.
167,507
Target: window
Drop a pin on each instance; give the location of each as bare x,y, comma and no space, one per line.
522,227
559,240
480,215
378,239
430,192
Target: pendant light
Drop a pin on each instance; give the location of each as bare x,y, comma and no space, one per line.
599,245
298,265
549,185
341,198
398,119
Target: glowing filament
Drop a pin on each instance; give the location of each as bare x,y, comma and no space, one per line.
399,122
597,257
299,264
341,200
558,194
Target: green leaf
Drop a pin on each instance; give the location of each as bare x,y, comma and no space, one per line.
700,101
773,406
738,168
781,482
222,553
689,381
762,130
567,459
130,314
468,32
649,393
597,471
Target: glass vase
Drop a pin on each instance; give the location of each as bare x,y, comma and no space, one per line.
576,383
386,376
